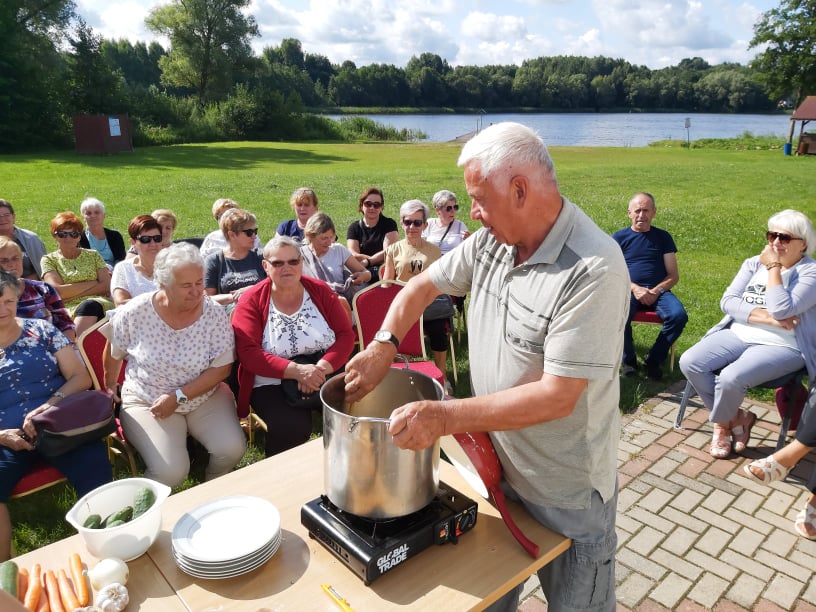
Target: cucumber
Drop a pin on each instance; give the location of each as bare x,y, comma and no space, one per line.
8,577
143,500
115,523
124,515
94,521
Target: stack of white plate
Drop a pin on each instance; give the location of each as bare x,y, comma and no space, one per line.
226,537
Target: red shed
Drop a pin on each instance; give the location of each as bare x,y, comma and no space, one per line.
102,133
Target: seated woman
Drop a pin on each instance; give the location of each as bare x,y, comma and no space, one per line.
368,237
107,242
168,222
406,259
767,331
230,271
331,262
179,348
776,466
134,276
38,367
39,300
79,275
446,231
304,203
215,241
285,316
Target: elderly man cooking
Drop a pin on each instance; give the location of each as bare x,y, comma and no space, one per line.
549,297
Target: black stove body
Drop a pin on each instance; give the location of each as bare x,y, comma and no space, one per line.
371,548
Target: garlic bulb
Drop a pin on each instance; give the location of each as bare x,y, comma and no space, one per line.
112,598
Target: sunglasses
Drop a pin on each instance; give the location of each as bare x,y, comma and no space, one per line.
250,232
372,204
452,207
279,263
783,238
414,222
62,234
148,239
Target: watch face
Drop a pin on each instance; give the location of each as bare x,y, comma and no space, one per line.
382,336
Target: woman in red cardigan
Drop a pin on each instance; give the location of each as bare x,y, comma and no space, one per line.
286,317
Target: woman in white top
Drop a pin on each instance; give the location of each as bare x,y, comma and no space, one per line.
445,231
330,261
134,276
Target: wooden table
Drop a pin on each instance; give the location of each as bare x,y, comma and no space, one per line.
486,563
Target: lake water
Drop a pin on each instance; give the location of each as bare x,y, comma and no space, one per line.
598,129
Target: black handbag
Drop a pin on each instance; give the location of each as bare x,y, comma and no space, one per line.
440,308
73,421
289,386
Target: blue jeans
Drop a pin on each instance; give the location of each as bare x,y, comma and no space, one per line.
582,577
674,316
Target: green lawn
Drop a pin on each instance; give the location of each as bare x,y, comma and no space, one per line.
715,203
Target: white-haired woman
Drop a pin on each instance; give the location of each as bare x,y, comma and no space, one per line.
107,242
179,348
445,231
408,258
767,331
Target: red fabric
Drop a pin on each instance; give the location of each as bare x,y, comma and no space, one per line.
38,477
371,306
647,316
783,394
249,319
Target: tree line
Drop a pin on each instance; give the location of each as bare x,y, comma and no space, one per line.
209,85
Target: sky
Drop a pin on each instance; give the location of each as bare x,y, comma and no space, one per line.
654,33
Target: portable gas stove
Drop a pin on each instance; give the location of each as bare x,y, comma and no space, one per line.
371,547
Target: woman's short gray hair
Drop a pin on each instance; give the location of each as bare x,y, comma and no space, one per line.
442,197
504,145
91,203
412,206
797,224
173,257
318,223
7,279
280,241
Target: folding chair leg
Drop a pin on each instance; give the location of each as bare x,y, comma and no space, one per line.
681,411
783,432
453,361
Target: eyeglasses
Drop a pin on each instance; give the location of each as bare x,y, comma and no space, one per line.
372,204
279,263
452,207
783,238
250,232
414,222
147,239
62,234
4,261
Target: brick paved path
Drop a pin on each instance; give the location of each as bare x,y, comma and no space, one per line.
695,533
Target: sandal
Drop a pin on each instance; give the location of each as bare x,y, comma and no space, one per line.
771,470
720,443
806,518
742,432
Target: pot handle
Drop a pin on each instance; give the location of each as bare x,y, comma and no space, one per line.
528,545
357,420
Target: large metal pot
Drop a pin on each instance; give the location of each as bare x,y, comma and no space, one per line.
364,472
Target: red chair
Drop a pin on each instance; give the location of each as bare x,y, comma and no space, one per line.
92,346
39,477
650,317
370,306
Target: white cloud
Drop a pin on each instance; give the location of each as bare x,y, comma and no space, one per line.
492,28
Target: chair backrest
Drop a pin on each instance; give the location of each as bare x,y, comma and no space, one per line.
91,346
370,306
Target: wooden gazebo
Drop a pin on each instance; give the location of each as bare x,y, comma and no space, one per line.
806,112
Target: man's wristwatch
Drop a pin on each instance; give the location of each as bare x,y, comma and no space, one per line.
385,336
660,290
181,399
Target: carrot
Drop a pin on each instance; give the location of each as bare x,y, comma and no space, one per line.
52,589
22,583
42,605
69,598
80,581
34,590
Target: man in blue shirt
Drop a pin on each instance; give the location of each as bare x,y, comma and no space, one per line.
651,257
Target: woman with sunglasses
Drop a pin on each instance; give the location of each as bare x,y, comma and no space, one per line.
370,236
231,270
408,258
80,276
134,276
292,327
445,231
768,330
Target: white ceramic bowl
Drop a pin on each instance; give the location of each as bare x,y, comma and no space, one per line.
126,541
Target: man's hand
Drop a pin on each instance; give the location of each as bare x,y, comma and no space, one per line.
417,425
645,296
367,369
